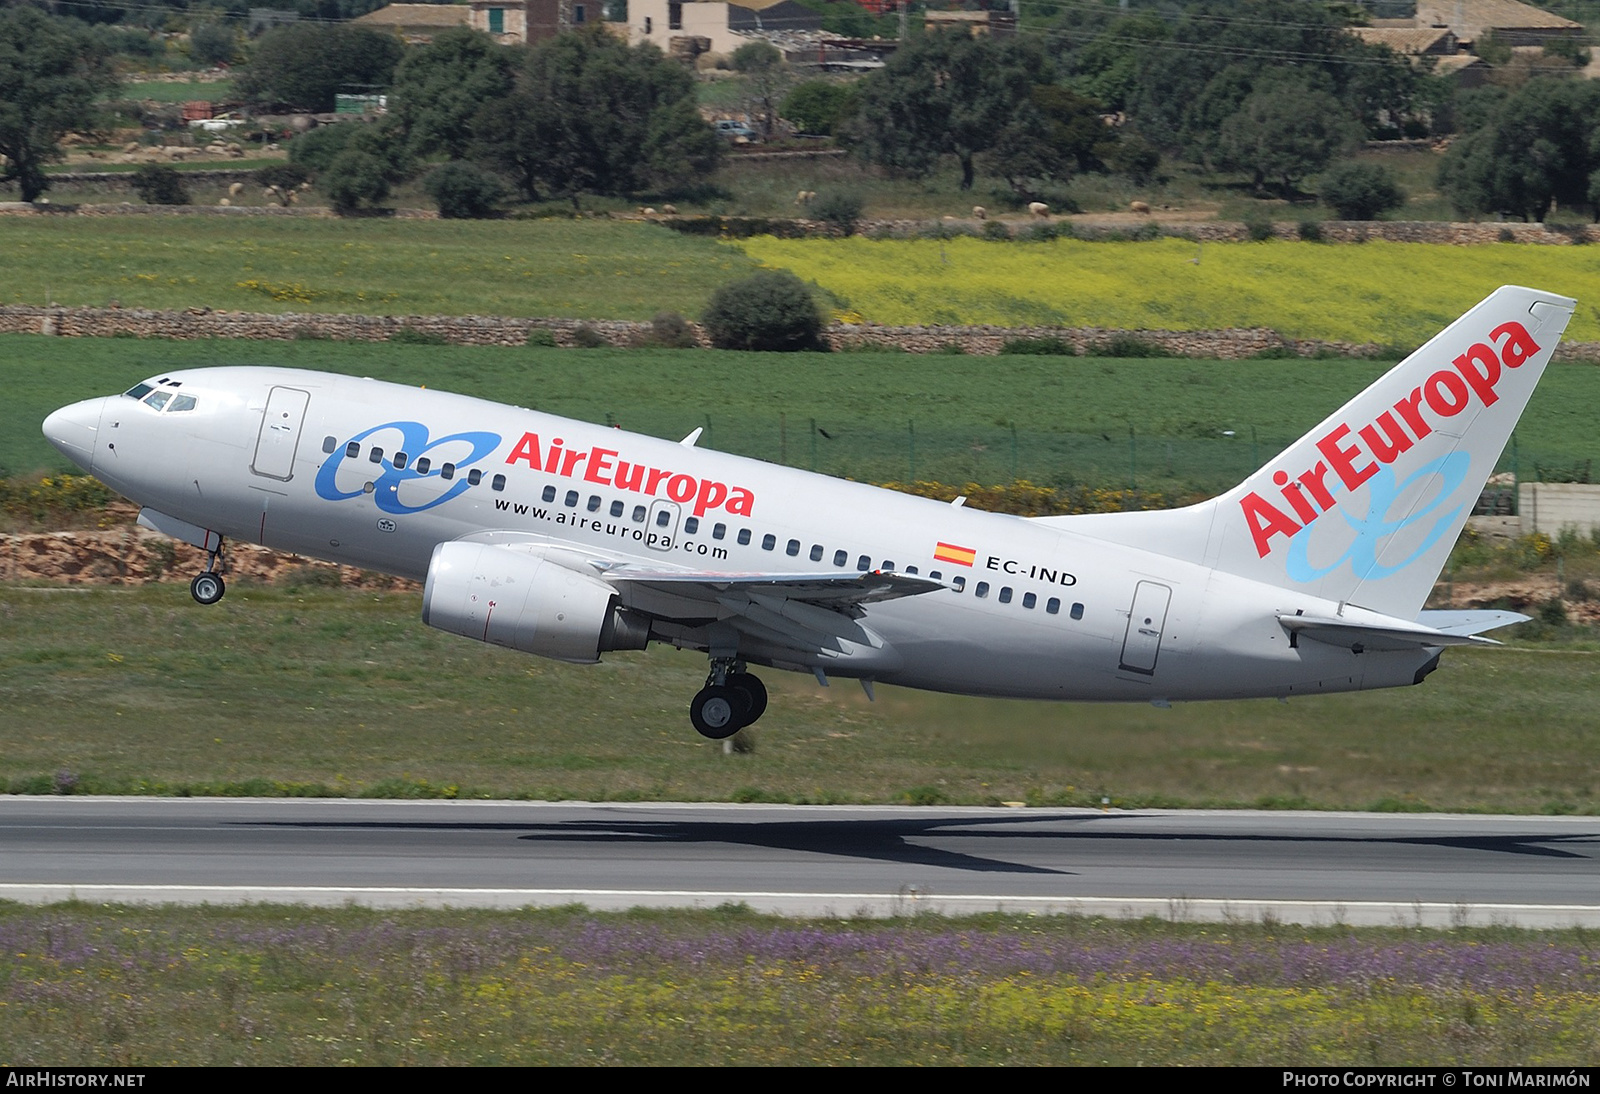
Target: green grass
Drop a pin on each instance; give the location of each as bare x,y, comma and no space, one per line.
326,691
164,91
547,267
263,985
891,417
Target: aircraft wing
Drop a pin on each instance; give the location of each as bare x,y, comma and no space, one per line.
811,614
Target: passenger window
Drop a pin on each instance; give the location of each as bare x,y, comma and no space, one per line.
352,450
1005,594
1029,600
839,557
744,537
616,508
549,493
638,514
423,465
400,461
912,570
864,563
982,589
376,455
497,483
1077,611
816,552
1053,605
768,542
447,471
474,477
935,574
663,518
888,566
571,500
186,402
329,444
792,548
958,582
718,531
691,526
594,503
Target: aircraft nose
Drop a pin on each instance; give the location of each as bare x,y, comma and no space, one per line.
73,429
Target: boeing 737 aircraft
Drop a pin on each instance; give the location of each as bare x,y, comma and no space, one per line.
568,539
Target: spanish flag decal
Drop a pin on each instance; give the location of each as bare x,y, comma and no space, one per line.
949,552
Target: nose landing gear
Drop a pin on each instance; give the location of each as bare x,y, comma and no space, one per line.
208,586
731,700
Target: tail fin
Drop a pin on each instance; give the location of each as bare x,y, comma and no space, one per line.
1366,507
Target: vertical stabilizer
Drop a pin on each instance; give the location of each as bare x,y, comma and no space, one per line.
1366,507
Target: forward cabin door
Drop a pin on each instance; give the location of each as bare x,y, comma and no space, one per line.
280,433
1146,622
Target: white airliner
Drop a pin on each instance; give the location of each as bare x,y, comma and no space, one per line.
568,539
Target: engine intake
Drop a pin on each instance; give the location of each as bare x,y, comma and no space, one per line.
524,601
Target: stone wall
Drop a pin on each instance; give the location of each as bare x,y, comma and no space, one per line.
493,330
1549,507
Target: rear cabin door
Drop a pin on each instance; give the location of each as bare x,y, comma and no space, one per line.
1146,621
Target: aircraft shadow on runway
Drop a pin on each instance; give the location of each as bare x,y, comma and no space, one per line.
893,840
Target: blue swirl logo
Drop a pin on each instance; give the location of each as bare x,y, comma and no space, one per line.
1375,528
460,450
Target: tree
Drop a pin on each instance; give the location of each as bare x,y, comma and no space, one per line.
212,43
769,310
1360,191
354,179
589,115
946,92
440,87
818,107
158,185
1284,130
304,65
464,191
50,76
766,75
1538,147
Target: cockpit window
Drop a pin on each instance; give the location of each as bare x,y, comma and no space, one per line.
138,391
157,399
181,402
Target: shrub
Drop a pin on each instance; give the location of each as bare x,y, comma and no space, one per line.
354,179
1258,228
541,336
159,185
464,191
1360,191
1311,231
769,310
1129,345
317,149
586,337
285,176
996,230
411,336
669,330
840,211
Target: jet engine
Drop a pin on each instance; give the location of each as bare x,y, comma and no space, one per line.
524,601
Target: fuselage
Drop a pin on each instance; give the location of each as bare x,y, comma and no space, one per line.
376,475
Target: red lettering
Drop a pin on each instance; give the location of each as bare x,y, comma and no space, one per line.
1312,481
1343,461
656,475
712,494
1392,444
526,449
1444,383
680,488
629,476
1291,494
1483,378
1407,406
1519,345
1265,520
741,502
599,464
572,461
553,461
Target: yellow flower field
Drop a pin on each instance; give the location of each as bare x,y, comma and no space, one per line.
1394,293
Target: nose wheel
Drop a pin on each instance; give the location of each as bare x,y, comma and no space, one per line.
208,586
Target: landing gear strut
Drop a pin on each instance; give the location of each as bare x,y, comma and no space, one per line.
208,586
731,700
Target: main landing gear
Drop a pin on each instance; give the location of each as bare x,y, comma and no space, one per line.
208,586
731,700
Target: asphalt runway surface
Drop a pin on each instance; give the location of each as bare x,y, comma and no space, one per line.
1356,868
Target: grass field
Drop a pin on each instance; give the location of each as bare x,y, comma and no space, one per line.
1389,293
265,985
374,266
888,417
321,691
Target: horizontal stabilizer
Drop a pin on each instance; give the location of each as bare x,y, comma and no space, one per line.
1469,622
1375,634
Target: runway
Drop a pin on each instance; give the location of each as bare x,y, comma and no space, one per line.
1355,868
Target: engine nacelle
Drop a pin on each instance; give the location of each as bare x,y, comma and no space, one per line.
524,601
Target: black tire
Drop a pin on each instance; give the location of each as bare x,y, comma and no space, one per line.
207,587
755,693
718,712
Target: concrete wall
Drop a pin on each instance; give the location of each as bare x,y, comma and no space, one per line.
1549,507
